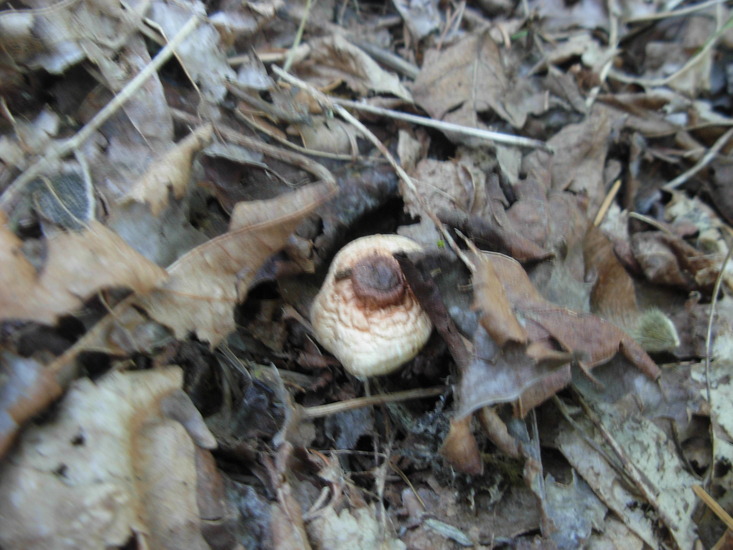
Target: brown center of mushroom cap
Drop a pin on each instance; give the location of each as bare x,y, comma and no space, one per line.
378,281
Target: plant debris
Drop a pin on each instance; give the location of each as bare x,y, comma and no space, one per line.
176,179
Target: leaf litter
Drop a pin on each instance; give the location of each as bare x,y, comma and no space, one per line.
171,201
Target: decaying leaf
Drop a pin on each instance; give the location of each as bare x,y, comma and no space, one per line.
78,264
530,374
460,449
668,260
200,54
594,340
654,455
329,135
56,37
421,17
470,78
170,173
65,199
106,470
498,231
333,59
206,283
613,294
441,185
580,157
497,317
358,529
26,386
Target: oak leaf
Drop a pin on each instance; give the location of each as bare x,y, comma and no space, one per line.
108,467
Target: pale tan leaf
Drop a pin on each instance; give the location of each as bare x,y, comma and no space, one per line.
470,78
329,135
203,286
78,265
334,59
106,470
356,529
170,172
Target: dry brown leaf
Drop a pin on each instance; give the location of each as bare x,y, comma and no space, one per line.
201,55
460,448
441,185
593,339
206,283
421,17
169,173
509,375
286,525
495,231
460,82
333,59
668,260
166,468
78,265
56,37
355,529
580,156
528,375
613,294
329,135
497,316
108,468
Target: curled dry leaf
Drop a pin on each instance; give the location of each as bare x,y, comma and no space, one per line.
460,448
668,260
613,293
106,469
596,341
356,529
170,173
329,135
530,374
498,231
202,292
206,283
614,298
78,264
333,59
498,319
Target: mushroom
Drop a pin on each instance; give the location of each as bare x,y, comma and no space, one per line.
365,313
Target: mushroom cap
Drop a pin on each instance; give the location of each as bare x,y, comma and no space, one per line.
368,340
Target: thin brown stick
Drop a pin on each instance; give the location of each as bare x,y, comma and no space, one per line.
702,163
10,197
368,401
327,103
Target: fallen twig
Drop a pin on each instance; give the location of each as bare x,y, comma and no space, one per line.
9,198
496,137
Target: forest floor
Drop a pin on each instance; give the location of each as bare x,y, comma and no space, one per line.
176,179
